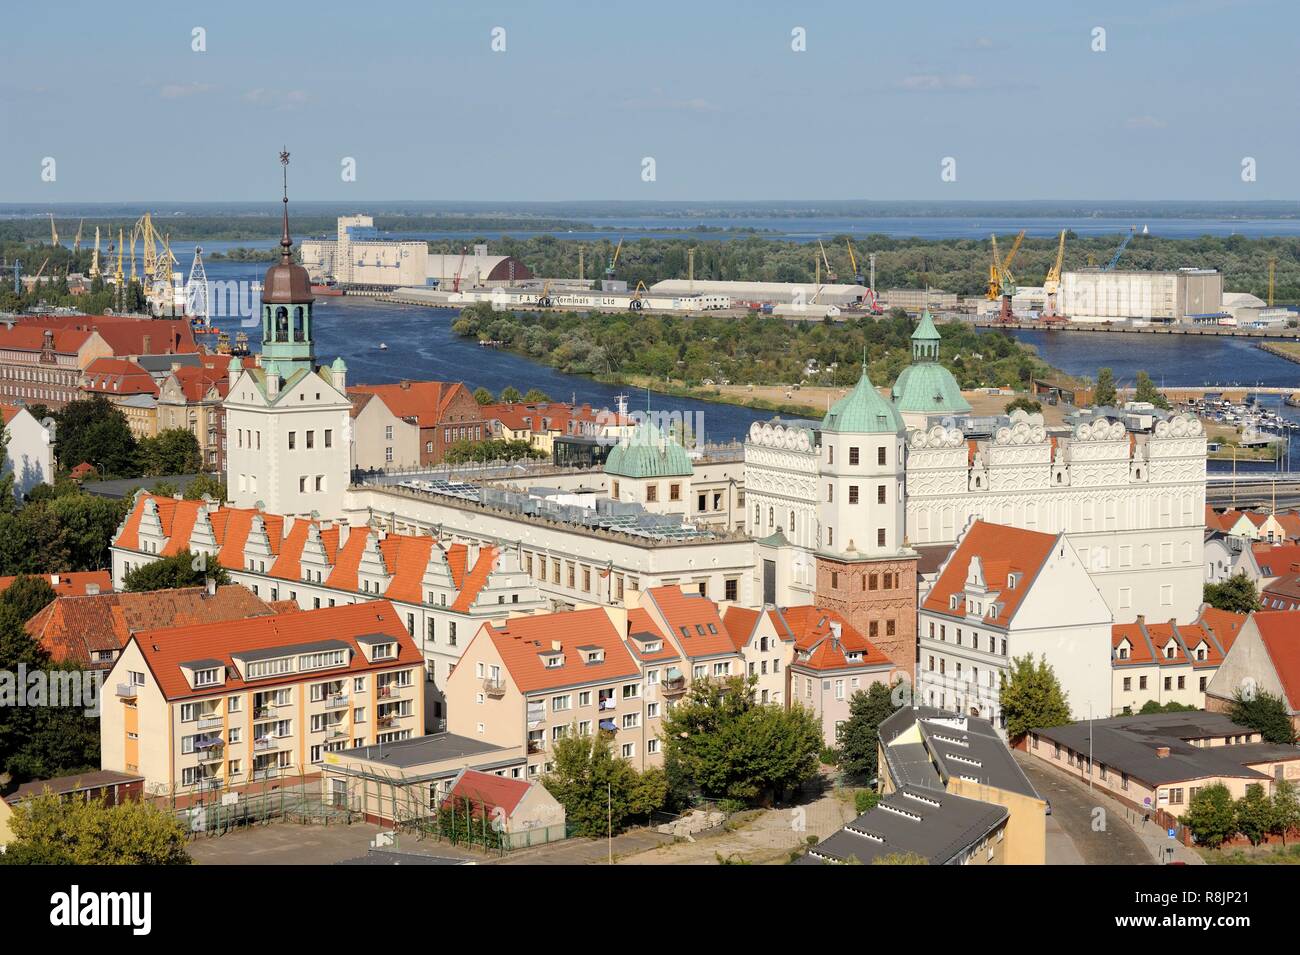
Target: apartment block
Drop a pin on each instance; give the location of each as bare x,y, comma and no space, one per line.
1169,662
219,706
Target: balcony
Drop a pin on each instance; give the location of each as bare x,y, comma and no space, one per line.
210,749
261,743
208,784
387,691
338,701
494,688
606,703
272,772
264,712
336,731
127,691
536,746
387,719
673,686
210,723
608,726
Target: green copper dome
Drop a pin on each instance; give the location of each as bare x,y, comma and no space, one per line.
648,453
863,410
925,386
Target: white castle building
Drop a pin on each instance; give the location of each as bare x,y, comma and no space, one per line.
1130,501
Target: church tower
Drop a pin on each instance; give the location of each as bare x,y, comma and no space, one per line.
288,422
865,569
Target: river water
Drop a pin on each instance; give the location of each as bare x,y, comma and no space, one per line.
421,345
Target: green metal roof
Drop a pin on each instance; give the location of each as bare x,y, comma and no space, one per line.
925,330
863,410
648,453
927,387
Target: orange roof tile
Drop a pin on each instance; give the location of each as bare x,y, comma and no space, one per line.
487,792
693,619
1280,633
70,583
1002,551
522,641
818,648
424,402
406,559
167,648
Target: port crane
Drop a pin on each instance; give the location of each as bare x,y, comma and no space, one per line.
1006,282
455,282
873,304
1000,267
613,259
76,243
544,300
1114,259
637,301
830,272
1052,284
54,233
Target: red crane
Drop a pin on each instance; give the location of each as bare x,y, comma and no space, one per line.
455,283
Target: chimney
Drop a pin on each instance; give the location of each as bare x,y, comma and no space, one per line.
471,554
54,580
557,646
404,384
1162,752
1142,620
836,629
211,585
148,340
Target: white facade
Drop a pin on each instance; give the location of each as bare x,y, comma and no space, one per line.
29,450
1132,505
1097,296
359,257
288,443
1061,618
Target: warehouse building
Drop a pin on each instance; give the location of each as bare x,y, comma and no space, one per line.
476,269
773,293
1184,296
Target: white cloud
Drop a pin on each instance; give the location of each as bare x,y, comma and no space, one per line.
181,90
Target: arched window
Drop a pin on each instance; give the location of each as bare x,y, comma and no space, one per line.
790,527
771,517
282,324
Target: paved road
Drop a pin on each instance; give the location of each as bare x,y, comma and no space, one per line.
1073,812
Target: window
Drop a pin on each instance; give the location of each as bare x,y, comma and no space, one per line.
853,494
853,455
329,437
293,439
880,455
880,494
730,589
311,439
652,492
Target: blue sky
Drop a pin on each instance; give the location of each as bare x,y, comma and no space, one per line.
711,90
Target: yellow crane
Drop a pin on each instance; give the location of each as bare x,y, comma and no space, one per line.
613,259
94,262
1000,269
54,233
858,277
121,245
76,243
1052,283
637,302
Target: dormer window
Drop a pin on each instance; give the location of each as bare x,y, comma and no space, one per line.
1169,652
208,677
595,656
384,651
654,646
554,661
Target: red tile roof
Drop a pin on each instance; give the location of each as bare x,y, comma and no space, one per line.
73,627
166,649
1002,551
487,791
424,402
639,622
522,641
817,647
70,583
1274,560
406,557
539,417
1280,633
117,376
692,620
197,382
126,335
1176,644
22,337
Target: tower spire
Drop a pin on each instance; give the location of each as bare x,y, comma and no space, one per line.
286,244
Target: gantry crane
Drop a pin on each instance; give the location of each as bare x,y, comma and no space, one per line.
999,266
1052,284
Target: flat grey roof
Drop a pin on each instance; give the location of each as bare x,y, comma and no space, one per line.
420,750
1128,744
125,487
937,825
375,639
956,746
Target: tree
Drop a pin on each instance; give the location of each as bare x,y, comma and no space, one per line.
1151,706
599,790
27,596
1032,697
204,483
1263,712
93,431
1104,393
1237,594
92,833
179,570
173,451
858,737
1254,814
719,742
1210,816
1024,403
536,394
1286,809
483,396
1146,390
510,395
900,858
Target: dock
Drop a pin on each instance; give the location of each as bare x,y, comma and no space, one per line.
1209,331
